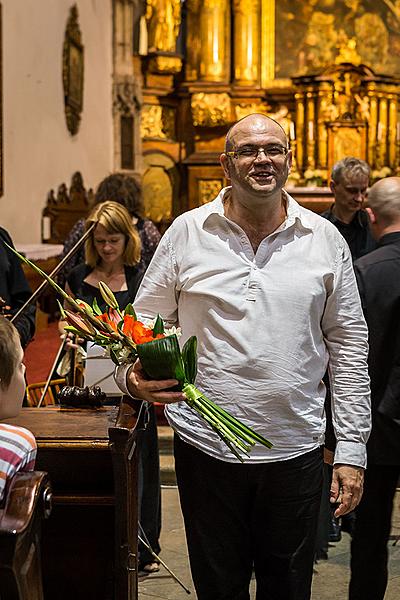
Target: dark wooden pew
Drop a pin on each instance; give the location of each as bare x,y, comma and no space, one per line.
27,503
89,547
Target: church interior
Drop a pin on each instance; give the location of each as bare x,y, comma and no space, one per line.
149,88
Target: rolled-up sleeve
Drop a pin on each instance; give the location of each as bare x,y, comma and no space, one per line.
346,338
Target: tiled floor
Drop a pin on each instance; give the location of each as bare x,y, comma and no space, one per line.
330,579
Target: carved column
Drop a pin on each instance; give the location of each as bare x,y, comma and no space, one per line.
126,91
393,130
372,126
311,130
215,41
381,132
299,130
247,33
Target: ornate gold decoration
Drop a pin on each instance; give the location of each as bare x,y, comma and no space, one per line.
157,194
211,110
242,109
163,22
165,64
208,189
73,72
157,122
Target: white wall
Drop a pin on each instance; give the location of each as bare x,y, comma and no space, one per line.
39,152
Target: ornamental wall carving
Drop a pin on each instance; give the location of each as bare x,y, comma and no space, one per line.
211,110
157,122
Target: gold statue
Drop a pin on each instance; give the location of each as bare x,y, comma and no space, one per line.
163,21
347,50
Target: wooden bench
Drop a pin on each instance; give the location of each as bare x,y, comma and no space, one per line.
27,503
89,546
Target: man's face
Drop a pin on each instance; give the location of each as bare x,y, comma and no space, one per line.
261,161
11,398
351,191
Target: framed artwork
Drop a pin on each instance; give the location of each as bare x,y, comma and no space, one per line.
73,62
306,37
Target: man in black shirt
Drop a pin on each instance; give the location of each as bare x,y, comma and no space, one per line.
378,277
14,290
349,184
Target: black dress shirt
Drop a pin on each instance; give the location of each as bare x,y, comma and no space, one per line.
378,277
15,290
356,233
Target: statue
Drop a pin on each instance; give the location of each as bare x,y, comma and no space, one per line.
163,21
363,106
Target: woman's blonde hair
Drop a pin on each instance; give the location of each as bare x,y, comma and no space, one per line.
10,348
115,219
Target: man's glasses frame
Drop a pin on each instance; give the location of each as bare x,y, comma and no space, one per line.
252,152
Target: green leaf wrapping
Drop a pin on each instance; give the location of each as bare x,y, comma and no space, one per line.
189,356
162,359
158,326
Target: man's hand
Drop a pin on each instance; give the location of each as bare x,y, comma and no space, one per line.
346,488
153,391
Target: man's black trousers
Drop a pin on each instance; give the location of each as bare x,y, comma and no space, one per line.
243,517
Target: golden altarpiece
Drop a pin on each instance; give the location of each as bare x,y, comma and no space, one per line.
203,64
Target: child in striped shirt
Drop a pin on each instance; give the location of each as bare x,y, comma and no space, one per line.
17,444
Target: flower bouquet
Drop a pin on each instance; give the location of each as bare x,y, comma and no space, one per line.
126,338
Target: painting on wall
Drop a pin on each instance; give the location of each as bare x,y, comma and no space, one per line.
309,36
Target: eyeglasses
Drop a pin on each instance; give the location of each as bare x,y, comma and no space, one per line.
252,152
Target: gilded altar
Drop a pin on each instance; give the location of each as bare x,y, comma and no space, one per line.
326,71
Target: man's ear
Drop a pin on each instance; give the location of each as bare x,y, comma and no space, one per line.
332,186
225,164
371,214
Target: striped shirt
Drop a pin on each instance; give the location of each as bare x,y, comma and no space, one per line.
17,453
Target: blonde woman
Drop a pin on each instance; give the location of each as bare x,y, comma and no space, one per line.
112,255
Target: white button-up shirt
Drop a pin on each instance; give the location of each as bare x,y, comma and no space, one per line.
267,324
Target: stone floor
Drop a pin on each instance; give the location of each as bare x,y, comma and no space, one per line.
330,579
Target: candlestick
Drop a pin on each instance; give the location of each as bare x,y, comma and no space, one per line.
292,133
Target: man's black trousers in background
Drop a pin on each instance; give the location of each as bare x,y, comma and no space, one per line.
369,551
238,516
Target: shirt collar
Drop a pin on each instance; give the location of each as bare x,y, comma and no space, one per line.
295,213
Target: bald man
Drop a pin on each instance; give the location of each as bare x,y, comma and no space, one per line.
378,275
269,290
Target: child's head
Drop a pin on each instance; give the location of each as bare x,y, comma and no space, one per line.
12,370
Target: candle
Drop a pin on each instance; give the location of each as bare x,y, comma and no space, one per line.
398,132
292,134
310,131
46,228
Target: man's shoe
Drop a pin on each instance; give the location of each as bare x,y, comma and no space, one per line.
335,534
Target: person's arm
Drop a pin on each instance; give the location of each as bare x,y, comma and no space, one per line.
158,294
18,291
346,338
